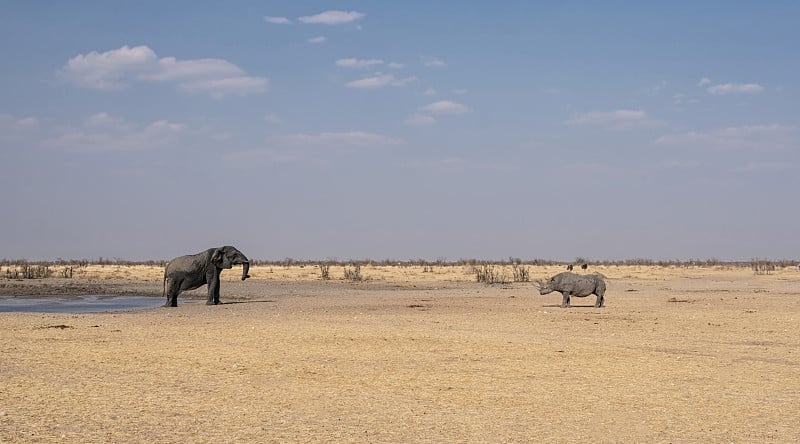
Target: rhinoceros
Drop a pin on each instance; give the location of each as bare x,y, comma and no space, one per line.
571,284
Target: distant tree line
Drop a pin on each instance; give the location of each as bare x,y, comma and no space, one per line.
428,265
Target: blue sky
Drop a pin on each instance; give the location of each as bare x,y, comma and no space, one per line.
401,130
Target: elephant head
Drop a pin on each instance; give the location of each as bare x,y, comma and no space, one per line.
227,257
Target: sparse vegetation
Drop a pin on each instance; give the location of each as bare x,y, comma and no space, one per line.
508,270
761,266
521,272
353,273
488,274
324,269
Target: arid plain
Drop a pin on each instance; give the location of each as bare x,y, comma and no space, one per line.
679,354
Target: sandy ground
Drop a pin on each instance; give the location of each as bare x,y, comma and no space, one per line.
677,355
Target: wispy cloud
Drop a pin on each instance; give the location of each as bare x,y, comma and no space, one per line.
756,167
305,148
620,119
447,163
379,82
704,82
102,132
762,137
219,88
273,119
445,107
682,164
680,99
114,70
420,120
277,20
169,69
10,122
318,39
433,62
735,88
345,138
358,63
332,17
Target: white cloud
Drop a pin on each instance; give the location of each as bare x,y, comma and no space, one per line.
430,92
103,121
735,88
419,120
395,65
9,122
18,131
761,137
680,99
104,71
379,82
445,107
170,69
102,132
219,88
116,69
655,90
255,158
754,167
433,62
309,148
277,20
704,81
332,17
620,119
358,63
339,139
682,164
274,119
318,39
447,163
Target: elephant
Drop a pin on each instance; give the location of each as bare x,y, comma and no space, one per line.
193,271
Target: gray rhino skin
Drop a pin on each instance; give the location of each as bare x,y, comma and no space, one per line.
193,271
579,285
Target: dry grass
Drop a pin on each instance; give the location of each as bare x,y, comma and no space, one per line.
678,355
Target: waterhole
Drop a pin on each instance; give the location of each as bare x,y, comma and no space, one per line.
79,304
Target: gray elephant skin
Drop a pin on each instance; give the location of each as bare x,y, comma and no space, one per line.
578,285
195,270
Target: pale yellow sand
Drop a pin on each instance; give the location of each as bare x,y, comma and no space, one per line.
678,355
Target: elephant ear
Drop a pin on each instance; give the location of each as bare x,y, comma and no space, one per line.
216,257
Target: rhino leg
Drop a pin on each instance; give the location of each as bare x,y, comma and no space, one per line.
565,299
601,298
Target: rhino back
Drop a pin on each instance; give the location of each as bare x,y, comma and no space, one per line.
578,285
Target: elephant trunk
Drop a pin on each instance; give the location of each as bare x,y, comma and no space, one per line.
245,269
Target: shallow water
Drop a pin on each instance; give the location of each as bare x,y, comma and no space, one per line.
80,304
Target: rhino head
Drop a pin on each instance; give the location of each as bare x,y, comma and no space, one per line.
545,287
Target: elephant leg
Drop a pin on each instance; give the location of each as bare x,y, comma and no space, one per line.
173,289
213,291
565,300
